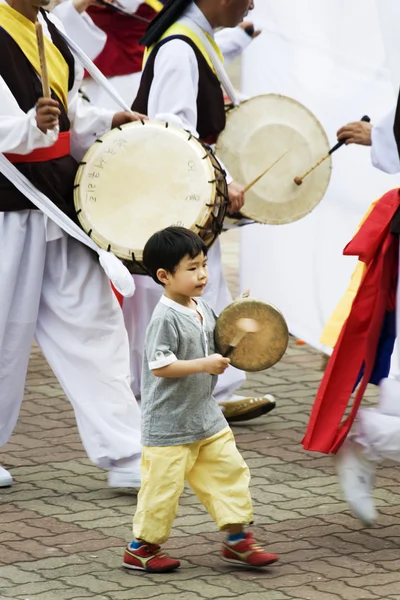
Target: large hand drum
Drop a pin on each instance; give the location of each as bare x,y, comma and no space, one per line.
258,350
278,132
143,177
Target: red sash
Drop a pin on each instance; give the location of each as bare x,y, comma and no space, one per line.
122,54
62,147
358,340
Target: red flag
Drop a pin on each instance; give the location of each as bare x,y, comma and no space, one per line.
358,340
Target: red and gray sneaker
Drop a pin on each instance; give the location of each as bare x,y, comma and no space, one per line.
148,557
247,552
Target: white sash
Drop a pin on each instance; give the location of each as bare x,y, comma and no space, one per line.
114,268
216,61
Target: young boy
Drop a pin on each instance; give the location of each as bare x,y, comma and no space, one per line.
184,432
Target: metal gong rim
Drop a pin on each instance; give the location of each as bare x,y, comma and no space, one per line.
257,351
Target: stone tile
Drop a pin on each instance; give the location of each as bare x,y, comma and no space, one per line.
62,531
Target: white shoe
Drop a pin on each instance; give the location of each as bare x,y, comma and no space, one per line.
5,478
120,477
356,476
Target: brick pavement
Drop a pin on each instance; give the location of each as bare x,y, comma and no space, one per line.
62,530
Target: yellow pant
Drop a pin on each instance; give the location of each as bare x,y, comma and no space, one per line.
214,469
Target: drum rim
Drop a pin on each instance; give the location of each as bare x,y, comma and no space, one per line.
205,212
248,213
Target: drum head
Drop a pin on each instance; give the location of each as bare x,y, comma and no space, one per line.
141,178
257,351
260,131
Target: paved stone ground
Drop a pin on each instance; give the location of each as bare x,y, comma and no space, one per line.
62,531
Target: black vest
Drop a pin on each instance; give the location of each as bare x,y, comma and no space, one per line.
55,178
210,99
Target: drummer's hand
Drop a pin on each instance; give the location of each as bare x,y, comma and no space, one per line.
236,197
356,133
244,294
246,24
121,118
47,113
215,364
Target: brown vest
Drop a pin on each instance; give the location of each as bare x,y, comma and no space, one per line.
55,178
210,99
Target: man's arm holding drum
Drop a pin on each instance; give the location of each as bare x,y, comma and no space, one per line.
89,122
380,137
173,98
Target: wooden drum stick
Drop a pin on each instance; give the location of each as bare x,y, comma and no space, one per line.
244,327
43,63
257,179
299,180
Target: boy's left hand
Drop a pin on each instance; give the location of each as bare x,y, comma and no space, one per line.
121,118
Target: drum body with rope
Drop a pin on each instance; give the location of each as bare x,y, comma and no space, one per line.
257,351
143,177
271,129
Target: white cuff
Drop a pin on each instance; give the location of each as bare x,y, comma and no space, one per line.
162,362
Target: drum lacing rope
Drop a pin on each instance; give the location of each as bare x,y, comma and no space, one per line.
139,265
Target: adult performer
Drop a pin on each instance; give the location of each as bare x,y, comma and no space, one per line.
52,287
179,85
112,40
370,312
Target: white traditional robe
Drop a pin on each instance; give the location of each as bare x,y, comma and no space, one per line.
173,98
52,288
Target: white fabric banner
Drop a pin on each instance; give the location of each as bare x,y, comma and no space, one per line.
334,58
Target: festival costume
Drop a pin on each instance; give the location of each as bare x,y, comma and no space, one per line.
112,41
179,85
363,330
52,287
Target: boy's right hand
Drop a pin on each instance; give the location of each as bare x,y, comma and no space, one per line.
47,113
216,364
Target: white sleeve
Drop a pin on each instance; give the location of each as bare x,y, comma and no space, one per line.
88,121
384,151
81,28
19,132
130,6
173,92
232,42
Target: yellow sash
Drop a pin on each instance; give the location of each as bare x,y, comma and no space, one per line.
156,5
24,34
339,316
180,29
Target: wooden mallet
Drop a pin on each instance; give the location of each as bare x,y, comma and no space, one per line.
43,63
244,326
299,180
257,179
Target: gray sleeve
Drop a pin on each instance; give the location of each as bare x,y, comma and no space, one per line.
161,344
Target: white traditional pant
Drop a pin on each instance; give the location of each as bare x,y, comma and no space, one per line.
138,310
378,429
55,291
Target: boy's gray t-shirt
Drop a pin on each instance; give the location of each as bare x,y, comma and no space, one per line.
179,410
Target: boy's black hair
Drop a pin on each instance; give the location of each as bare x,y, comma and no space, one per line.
166,248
